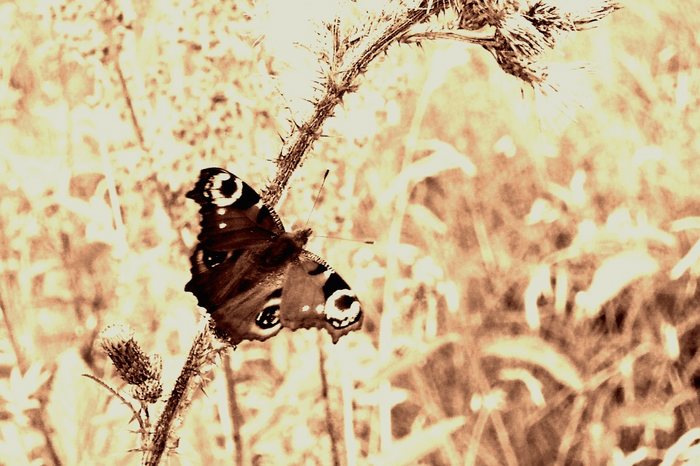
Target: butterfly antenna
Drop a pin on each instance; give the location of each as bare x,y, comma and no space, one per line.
363,241
318,194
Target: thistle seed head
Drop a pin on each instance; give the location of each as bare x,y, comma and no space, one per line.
526,29
132,364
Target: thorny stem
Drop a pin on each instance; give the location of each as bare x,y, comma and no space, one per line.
336,86
181,396
164,194
129,104
47,431
449,35
515,52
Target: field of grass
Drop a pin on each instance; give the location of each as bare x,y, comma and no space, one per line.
531,296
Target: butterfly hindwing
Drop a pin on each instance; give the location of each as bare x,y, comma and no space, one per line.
218,275
252,276
314,295
252,314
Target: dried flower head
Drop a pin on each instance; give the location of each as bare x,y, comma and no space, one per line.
132,364
524,30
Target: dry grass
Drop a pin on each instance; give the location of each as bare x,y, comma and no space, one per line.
531,296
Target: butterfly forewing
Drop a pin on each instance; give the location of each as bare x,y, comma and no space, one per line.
233,215
252,276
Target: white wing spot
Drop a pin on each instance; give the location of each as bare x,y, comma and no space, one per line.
218,179
221,211
305,308
222,225
319,308
223,201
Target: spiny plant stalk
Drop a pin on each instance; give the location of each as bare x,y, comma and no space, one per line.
345,63
521,32
142,373
199,361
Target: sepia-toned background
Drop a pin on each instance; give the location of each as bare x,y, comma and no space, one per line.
530,296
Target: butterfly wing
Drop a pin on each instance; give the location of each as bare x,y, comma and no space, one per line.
314,295
236,229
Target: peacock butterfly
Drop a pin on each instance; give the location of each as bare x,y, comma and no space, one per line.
253,276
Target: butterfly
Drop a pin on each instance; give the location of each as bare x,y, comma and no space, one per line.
253,276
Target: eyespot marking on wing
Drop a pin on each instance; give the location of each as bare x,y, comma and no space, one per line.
342,309
224,189
269,317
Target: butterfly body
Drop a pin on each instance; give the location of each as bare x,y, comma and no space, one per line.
253,276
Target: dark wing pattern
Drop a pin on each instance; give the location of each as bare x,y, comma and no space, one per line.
314,295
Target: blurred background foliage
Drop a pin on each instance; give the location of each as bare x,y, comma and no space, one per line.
531,296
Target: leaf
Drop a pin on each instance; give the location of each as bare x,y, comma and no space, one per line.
419,443
684,448
613,275
534,350
443,157
17,444
19,390
393,366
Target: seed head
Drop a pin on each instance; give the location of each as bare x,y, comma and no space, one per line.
526,29
132,363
